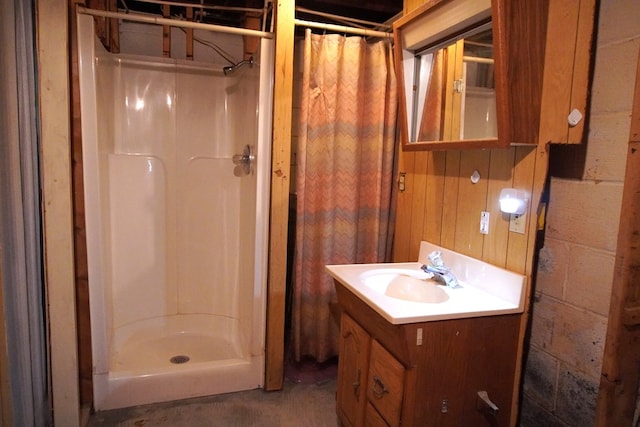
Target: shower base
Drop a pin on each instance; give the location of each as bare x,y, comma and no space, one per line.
176,357
152,344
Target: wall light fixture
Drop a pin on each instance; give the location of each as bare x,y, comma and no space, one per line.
513,201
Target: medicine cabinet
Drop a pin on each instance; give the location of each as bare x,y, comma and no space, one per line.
451,76
475,73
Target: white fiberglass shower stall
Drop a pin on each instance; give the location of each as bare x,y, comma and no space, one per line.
176,231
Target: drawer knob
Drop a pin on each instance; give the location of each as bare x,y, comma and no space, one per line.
379,389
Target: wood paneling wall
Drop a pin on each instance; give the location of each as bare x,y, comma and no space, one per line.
442,205
548,46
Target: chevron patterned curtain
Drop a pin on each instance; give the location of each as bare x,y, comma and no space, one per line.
345,165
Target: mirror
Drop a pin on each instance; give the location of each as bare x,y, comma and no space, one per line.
450,81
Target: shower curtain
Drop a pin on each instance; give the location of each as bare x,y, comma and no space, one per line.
345,164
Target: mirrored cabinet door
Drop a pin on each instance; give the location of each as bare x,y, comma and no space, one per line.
453,91
451,77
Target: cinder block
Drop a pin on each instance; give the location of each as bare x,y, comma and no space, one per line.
612,88
540,378
585,212
572,335
577,397
543,315
552,268
618,20
533,415
608,141
590,278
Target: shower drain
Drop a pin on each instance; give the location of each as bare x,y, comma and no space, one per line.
181,358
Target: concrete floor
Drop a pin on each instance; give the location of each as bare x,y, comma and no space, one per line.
308,399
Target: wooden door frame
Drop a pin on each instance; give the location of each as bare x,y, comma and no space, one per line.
621,361
280,182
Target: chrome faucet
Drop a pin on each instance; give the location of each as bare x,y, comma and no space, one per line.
440,272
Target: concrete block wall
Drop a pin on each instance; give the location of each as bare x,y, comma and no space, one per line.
575,269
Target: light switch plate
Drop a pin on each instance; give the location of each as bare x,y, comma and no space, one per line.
484,222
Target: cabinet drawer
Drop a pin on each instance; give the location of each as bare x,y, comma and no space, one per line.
385,383
373,419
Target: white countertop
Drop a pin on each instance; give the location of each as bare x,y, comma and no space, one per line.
486,290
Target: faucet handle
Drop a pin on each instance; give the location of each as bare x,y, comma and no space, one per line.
435,258
434,269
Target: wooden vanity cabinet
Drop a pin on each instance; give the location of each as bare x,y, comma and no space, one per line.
424,374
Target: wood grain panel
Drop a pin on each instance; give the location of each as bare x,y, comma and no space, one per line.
432,220
373,418
562,27
582,67
472,199
385,384
450,199
523,173
353,371
418,205
394,337
525,35
402,233
414,5
494,250
280,182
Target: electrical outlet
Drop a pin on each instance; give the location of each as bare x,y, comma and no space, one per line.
484,222
517,223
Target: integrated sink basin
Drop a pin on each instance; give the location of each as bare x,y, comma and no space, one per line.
404,293
405,284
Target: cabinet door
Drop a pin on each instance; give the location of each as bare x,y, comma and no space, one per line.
385,384
373,418
353,361
567,70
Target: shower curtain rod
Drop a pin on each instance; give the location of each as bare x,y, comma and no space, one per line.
174,22
205,6
343,29
477,59
347,20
